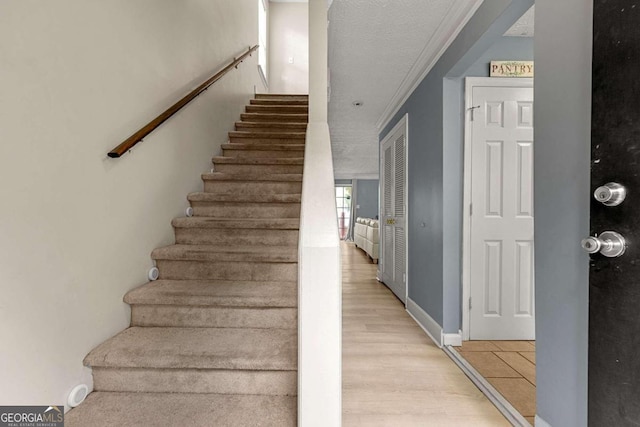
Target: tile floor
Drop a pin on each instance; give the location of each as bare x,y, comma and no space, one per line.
510,367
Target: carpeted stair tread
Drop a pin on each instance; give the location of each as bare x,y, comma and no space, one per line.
105,409
287,109
249,198
263,147
279,101
280,177
267,135
228,253
246,209
198,348
275,117
222,293
290,127
281,95
258,160
231,223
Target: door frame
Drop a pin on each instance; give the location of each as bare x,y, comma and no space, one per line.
470,83
404,121
351,208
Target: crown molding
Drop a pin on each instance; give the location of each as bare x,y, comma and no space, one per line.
457,17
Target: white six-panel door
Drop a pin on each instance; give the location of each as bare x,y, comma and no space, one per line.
501,276
393,210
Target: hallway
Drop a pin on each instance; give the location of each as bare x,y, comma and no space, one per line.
393,374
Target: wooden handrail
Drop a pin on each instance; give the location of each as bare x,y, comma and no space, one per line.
128,143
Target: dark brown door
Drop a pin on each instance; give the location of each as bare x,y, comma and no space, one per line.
614,283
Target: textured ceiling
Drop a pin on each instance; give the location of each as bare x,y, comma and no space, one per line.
373,46
524,26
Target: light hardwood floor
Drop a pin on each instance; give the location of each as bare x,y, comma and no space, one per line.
393,374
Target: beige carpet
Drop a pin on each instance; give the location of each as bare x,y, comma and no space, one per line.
213,342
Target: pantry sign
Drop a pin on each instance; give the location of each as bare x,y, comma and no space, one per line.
511,69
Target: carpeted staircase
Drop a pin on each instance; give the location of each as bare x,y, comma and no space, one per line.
213,342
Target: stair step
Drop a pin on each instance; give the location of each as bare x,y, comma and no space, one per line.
263,150
253,137
181,316
241,165
222,293
297,149
296,161
231,262
214,304
246,210
266,177
211,262
242,168
188,269
198,348
217,381
281,95
237,223
274,117
244,231
214,253
267,135
108,409
278,109
256,198
280,101
218,182
271,126
197,360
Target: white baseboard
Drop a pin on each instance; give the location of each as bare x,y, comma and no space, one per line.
452,339
426,322
541,423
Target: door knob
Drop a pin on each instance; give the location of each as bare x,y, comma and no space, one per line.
609,244
610,194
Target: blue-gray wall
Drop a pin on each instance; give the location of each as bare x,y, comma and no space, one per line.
435,165
504,48
562,134
562,111
367,198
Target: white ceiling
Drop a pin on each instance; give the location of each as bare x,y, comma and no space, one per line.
378,51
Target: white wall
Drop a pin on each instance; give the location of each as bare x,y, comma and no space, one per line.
76,78
319,270
288,38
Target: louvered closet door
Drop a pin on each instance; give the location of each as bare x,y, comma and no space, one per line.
393,212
